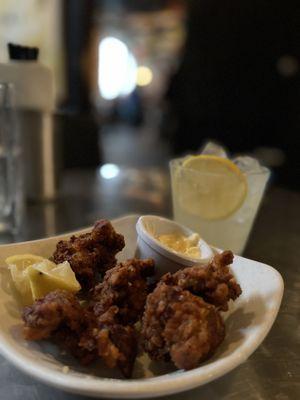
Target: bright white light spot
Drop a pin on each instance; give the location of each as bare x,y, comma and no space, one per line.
144,76
116,69
130,76
109,171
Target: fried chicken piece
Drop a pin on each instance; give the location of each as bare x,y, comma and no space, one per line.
179,326
116,344
214,282
70,341
90,253
46,315
124,286
59,316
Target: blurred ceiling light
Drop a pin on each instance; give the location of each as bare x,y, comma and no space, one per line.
130,76
287,65
109,171
116,69
144,76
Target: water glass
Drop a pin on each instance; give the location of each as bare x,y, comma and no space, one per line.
11,180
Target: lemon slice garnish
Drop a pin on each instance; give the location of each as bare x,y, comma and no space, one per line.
18,265
210,187
35,276
45,278
22,261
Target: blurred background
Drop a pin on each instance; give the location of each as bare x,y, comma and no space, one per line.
122,87
138,82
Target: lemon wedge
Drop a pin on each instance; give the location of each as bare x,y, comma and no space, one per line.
35,276
46,276
211,187
22,261
18,265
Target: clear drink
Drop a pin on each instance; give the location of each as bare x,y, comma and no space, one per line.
11,182
232,231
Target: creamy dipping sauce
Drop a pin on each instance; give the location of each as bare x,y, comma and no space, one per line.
186,245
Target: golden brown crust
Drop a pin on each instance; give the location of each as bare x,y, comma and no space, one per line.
178,325
213,282
59,316
124,286
47,314
114,343
181,319
91,253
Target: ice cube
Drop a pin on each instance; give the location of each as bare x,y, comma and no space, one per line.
247,163
214,149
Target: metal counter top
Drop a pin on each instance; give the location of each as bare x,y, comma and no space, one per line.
273,371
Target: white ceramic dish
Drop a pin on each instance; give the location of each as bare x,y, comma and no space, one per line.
148,227
247,322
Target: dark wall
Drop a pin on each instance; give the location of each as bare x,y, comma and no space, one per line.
239,80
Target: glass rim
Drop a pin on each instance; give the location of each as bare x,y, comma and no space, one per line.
264,170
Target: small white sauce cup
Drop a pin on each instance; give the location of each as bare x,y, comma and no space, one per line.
149,227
